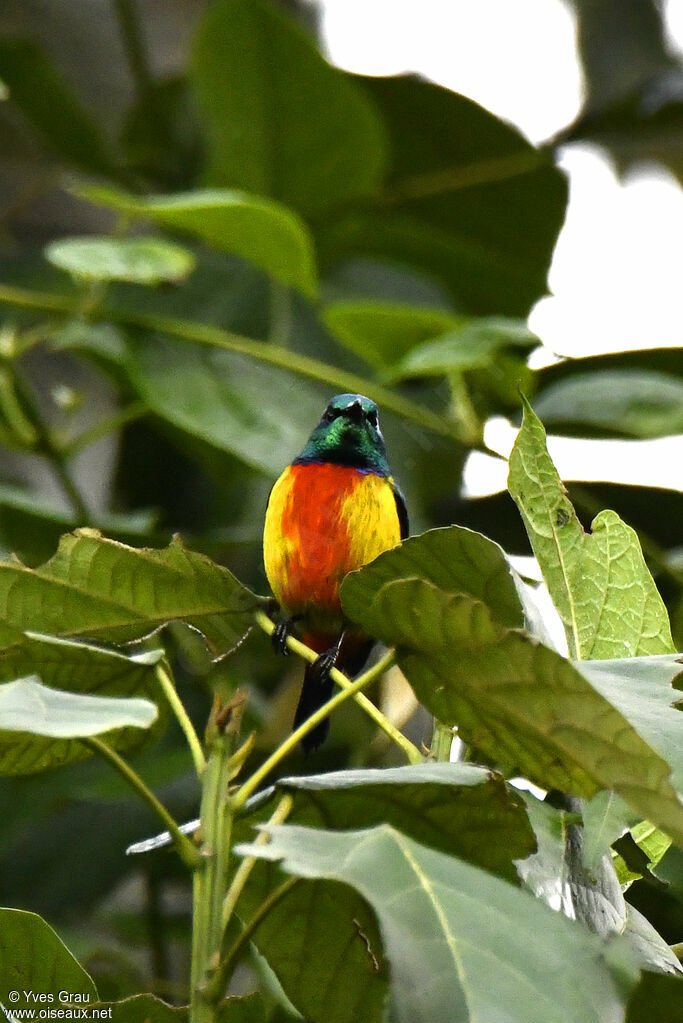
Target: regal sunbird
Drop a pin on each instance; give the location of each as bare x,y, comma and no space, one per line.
334,509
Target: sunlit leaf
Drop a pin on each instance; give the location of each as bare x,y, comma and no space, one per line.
138,260
71,667
462,944
98,588
518,701
598,581
264,232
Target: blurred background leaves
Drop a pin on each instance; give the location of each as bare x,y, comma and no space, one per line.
346,232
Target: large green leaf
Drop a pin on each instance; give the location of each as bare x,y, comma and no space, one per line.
26,705
266,233
321,930
71,668
46,100
462,944
468,200
647,691
98,588
33,958
456,808
138,260
518,701
457,560
635,403
598,581
281,121
229,400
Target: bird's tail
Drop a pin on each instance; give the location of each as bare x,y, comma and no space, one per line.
349,654
316,690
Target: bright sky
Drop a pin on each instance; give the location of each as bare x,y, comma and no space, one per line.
616,274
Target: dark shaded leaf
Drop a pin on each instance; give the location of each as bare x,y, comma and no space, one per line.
281,121
47,101
34,959
468,200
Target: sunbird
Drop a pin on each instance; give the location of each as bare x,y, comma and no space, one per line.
333,510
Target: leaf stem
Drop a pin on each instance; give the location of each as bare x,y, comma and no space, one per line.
280,814
136,410
131,32
262,351
230,957
184,846
165,680
210,880
46,445
411,751
442,740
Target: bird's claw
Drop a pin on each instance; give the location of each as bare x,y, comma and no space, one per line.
279,637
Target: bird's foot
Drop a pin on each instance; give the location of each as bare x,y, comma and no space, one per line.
324,664
279,636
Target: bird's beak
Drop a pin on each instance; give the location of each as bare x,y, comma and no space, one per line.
355,411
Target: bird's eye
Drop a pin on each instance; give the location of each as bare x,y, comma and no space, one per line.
328,415
372,418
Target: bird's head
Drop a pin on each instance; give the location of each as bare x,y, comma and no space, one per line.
348,434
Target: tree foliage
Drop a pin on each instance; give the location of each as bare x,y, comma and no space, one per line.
193,260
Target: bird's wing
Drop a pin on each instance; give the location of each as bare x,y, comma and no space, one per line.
401,509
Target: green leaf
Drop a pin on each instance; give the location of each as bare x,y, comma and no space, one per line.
138,260
468,200
266,233
606,818
598,581
652,844
656,992
97,588
228,400
474,344
34,959
46,100
452,807
320,930
322,942
519,702
75,668
383,332
462,944
634,403
646,690
280,120
26,705
455,559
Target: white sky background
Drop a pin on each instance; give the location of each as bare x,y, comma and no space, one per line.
616,278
